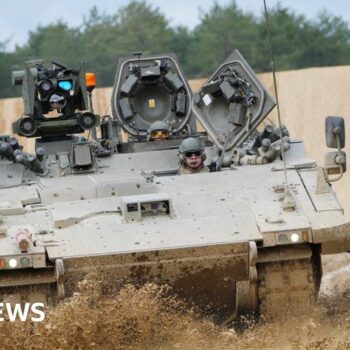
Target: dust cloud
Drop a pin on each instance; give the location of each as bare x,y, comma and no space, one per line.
151,318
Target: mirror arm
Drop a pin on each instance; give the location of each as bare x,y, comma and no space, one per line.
338,142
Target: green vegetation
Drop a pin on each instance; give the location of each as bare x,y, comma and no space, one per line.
101,39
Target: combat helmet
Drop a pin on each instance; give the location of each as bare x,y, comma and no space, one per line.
158,130
189,145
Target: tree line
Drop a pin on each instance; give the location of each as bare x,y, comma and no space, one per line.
297,42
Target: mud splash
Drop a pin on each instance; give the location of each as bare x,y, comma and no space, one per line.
149,318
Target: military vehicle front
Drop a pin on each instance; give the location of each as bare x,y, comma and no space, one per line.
236,239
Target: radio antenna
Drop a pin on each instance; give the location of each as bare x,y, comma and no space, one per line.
287,198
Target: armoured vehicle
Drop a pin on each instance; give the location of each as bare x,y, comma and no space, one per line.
246,236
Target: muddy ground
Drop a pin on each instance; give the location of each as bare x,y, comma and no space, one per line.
148,318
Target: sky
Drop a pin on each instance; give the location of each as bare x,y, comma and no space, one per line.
18,17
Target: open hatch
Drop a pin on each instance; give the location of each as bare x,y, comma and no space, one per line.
232,103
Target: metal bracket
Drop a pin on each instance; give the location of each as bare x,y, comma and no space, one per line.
321,184
59,268
246,291
285,196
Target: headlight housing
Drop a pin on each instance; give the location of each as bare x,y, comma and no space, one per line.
292,237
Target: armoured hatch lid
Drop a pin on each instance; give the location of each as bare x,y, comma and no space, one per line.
148,89
221,105
321,201
88,187
296,158
13,200
11,174
270,217
152,234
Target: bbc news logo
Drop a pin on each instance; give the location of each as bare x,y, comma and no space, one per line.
18,312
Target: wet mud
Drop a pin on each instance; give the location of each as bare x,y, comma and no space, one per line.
151,318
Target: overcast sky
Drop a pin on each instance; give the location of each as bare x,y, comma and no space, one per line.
18,17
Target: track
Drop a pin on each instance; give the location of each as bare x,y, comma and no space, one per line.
286,287
29,294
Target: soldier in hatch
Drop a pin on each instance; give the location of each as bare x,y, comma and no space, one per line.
158,131
192,157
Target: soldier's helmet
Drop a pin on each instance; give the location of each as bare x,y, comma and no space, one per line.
189,146
159,130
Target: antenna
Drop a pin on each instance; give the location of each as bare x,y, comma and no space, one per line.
288,201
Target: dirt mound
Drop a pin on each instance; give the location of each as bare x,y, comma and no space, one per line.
144,318
150,318
336,276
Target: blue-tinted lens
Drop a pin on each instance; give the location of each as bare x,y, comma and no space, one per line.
65,85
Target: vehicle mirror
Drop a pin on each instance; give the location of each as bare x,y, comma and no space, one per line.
335,132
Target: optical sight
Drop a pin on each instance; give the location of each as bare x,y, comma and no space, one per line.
54,100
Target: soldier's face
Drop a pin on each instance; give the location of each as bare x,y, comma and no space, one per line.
159,135
193,159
